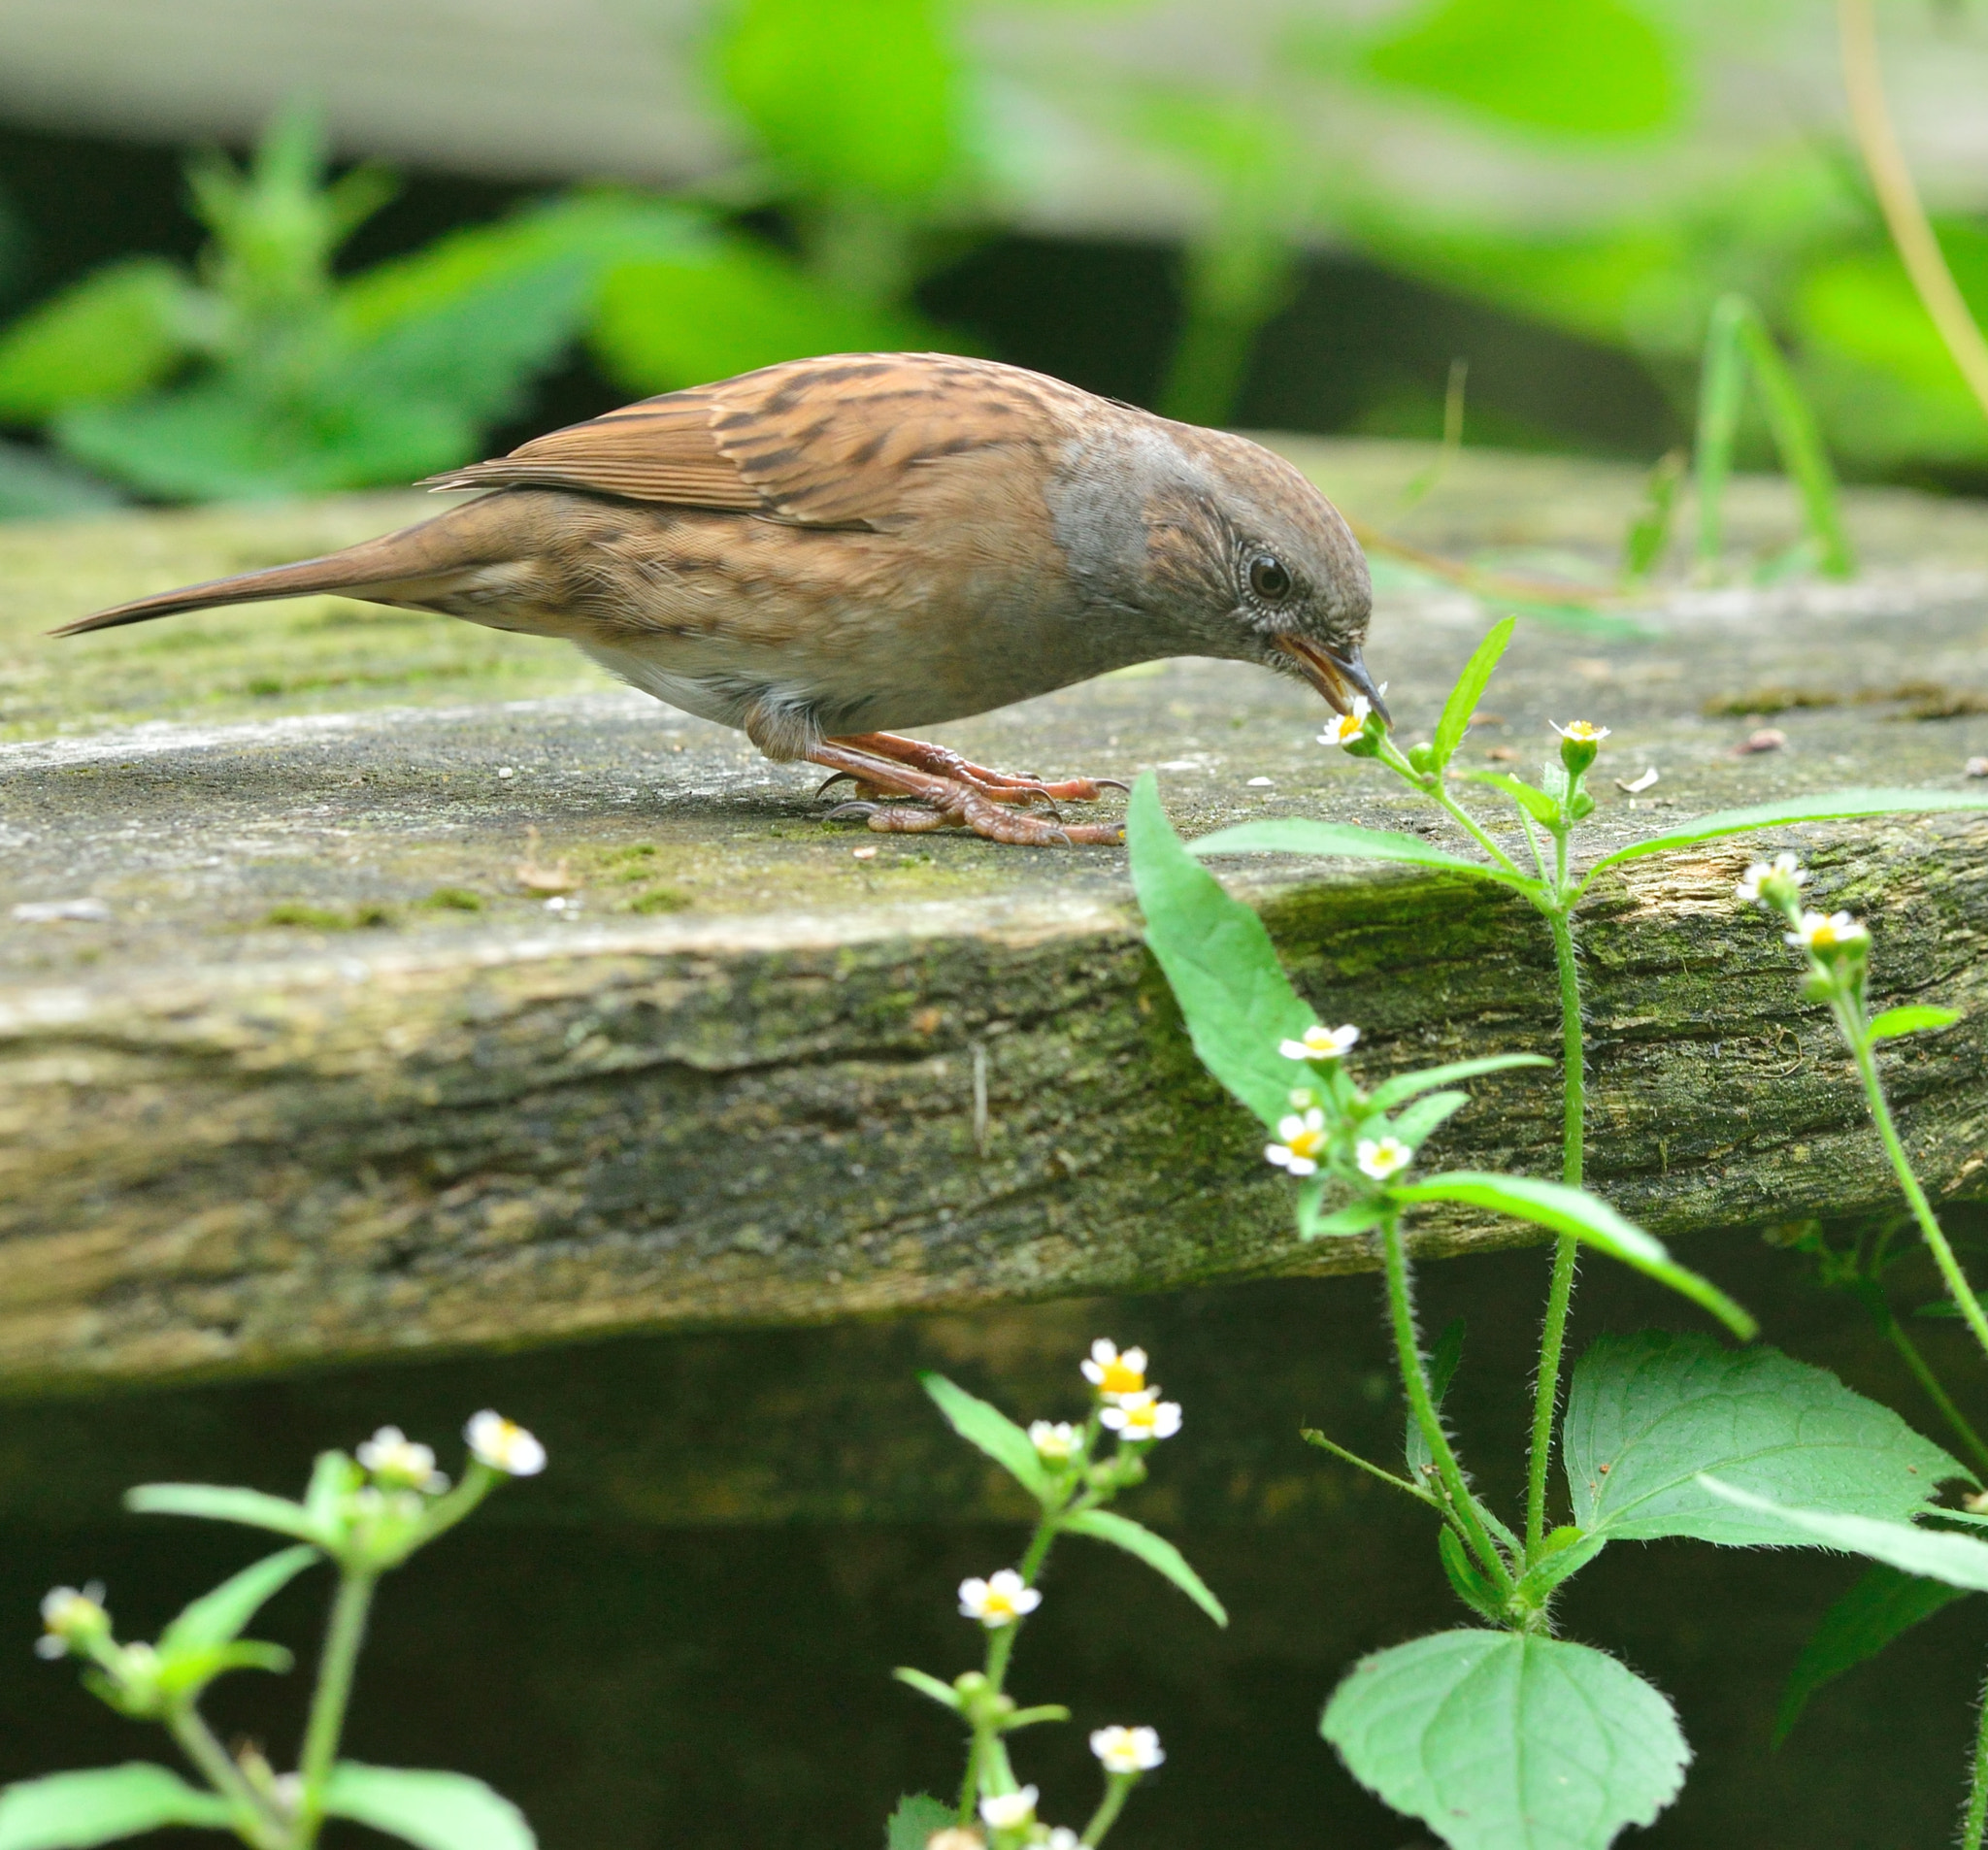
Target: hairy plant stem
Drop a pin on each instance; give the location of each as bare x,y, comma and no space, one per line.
1117,1789
343,1637
987,1743
1894,1332
1415,1383
1849,1017
1974,1821
186,1726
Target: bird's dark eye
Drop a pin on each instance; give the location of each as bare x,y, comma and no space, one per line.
1269,580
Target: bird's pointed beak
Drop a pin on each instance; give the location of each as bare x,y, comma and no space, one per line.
1339,678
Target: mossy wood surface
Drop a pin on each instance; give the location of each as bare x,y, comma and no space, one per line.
330,1081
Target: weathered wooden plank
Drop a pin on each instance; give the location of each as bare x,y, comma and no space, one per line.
231,1144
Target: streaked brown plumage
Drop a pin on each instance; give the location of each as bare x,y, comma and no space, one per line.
822,550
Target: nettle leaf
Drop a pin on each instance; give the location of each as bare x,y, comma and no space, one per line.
1406,1085
1156,1551
67,1811
222,1503
1344,840
1470,687
1503,1741
1911,1020
992,1432
217,1617
1884,1603
1589,1219
435,1810
1647,1413
1834,806
918,1818
1237,1003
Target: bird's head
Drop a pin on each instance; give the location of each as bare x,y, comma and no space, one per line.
1233,554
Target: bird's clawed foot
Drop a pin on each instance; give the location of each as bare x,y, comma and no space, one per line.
949,793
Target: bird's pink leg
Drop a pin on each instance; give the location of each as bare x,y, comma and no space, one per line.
998,784
946,803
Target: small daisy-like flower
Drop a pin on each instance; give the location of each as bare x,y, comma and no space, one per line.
395,1459
1300,1140
504,1445
1382,1157
998,1601
1055,1443
1822,935
1342,729
1064,1839
1760,879
1113,1372
1010,1810
1584,732
1139,1417
1320,1044
1127,1750
71,1615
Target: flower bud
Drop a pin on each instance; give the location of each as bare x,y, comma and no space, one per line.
1580,739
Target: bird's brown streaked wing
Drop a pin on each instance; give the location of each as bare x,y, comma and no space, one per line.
821,441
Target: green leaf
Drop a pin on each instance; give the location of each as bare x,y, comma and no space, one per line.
219,1502
1426,1116
1498,1740
1465,1581
1470,687
1911,1020
1573,1210
186,1672
1356,1217
917,1819
1391,1092
1881,1605
1647,1414
943,1694
1342,840
113,335
438,1811
1834,806
1935,1554
1565,1553
217,1617
992,1432
1237,1003
66,1812
1156,1551
1537,803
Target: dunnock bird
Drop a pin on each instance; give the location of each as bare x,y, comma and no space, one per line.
824,548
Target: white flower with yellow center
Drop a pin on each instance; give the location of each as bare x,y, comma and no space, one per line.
1055,1443
1127,1750
1115,1371
1342,729
504,1445
1382,1157
1010,1810
999,1600
1584,732
394,1459
1820,934
71,1614
1139,1417
1322,1043
1301,1137
1783,870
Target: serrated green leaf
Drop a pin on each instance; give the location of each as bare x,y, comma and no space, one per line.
1345,841
1237,1003
1911,1020
1427,1115
434,1810
1391,1092
992,1432
1503,1741
1647,1414
1834,806
70,1811
1590,1219
1537,803
220,1503
217,1617
1464,697
1156,1551
943,1694
918,1818
1882,1605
